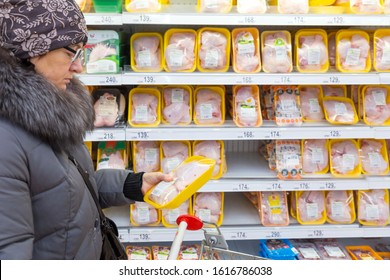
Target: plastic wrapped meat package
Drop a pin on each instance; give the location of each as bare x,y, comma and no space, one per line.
340,207
365,253
173,154
246,50
180,50
374,157
332,48
340,110
382,50
306,250
344,158
311,103
146,156
334,90
111,155
311,207
177,103
315,156
246,110
145,107
146,52
288,159
274,209
366,6
213,149
143,214
189,252
161,253
376,105
143,5
331,250
268,97
214,6
271,151
208,207
138,253
169,216
277,249
276,51
214,49
293,6
253,6
373,207
287,105
109,106
209,106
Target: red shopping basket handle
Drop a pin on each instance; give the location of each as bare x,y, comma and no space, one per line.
193,222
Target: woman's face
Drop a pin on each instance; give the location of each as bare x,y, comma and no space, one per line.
57,66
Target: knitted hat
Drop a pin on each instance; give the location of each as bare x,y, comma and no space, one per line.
30,28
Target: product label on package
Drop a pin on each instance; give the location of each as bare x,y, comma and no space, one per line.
314,56
337,208
348,162
372,212
317,156
141,113
375,160
206,111
175,58
212,57
340,108
386,56
314,105
312,211
309,253
144,58
151,156
177,95
334,252
107,106
204,215
246,44
143,214
353,56
379,97
161,187
172,215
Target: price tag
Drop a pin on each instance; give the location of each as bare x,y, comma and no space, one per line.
274,134
246,135
109,80
316,233
149,80
241,187
285,80
249,19
144,18
273,235
123,235
328,186
96,19
139,135
239,235
276,186
246,80
144,236
304,186
333,134
143,135
336,20
333,80
299,20
105,135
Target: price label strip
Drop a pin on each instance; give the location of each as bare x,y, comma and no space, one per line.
118,134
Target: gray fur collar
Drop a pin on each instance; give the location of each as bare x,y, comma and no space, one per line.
60,118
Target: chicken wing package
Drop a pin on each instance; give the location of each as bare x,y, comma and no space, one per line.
373,207
288,159
274,209
139,253
334,90
173,153
169,216
340,110
213,149
311,51
332,48
215,6
213,49
209,207
353,51
246,106
311,208
344,158
143,6
311,103
144,107
366,6
287,105
340,207
376,104
331,250
189,176
102,52
209,105
365,253
180,50
374,157
315,156
109,106
111,155
252,7
107,6
246,50
382,50
146,52
85,5
293,6
276,51
146,156
177,105
143,214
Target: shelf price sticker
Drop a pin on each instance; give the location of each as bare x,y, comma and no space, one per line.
239,235
285,80
108,135
298,20
109,80
247,20
246,135
242,187
139,135
304,186
96,19
140,237
333,134
337,20
246,80
123,235
273,234
328,186
333,80
317,233
149,79
276,186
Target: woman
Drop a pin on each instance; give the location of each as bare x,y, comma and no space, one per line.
46,210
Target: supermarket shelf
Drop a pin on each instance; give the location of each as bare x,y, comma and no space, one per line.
106,134
241,222
177,14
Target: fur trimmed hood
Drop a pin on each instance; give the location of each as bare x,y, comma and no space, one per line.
58,117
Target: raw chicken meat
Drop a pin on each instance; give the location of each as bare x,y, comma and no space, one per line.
311,207
276,52
335,91
143,108
339,111
311,103
373,162
332,49
147,156
382,57
143,214
210,149
212,53
312,53
174,153
176,106
339,208
170,215
180,51
247,107
111,161
274,209
315,158
100,51
109,107
143,5
353,53
208,206
344,157
373,209
208,107
366,6
247,55
293,6
147,54
376,108
253,6
342,2
215,6
386,5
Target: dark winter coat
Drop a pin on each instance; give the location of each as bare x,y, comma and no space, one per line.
46,210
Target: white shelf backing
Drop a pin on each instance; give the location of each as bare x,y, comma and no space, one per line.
241,222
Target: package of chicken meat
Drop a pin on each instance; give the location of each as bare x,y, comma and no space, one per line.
246,106
344,158
142,6
311,208
340,207
143,214
160,253
306,250
246,50
315,156
173,153
373,207
288,159
374,157
209,207
146,52
276,51
180,50
382,50
209,105
214,149
331,250
144,107
177,105
367,7
376,104
293,6
365,253
274,209
252,7
138,253
146,156
215,6
334,90
169,216
111,155
189,176
109,106
287,105
340,110
189,252
311,103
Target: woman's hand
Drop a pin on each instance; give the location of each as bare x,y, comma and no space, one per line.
150,179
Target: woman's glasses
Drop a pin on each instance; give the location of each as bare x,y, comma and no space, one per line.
78,54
